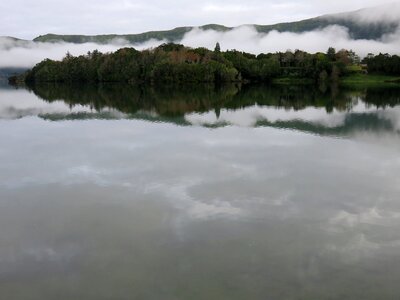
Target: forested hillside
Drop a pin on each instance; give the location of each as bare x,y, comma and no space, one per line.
357,30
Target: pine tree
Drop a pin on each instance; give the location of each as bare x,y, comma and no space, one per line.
217,48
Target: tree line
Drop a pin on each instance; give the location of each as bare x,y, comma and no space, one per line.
383,64
174,63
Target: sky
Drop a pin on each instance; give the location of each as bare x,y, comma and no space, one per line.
29,18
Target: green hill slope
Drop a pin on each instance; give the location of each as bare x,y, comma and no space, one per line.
358,30
170,35
373,30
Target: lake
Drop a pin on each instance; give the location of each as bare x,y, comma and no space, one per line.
238,192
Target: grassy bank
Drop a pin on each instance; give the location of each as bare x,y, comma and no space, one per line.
350,80
369,80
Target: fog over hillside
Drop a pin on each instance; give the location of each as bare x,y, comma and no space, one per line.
387,13
21,53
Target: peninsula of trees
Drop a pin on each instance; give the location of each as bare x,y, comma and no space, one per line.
174,63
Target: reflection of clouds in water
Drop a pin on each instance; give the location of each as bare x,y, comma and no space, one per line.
355,246
354,249
33,260
86,173
277,201
75,175
16,104
19,104
370,231
262,174
180,197
392,115
249,116
285,193
372,216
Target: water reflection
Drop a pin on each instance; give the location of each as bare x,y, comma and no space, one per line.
332,111
126,208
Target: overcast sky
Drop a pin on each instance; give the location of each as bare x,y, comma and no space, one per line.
30,18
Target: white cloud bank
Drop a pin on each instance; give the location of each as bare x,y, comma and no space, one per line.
244,38
27,54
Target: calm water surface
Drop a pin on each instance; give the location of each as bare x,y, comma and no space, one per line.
116,192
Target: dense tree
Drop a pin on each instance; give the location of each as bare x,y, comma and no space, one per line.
383,64
217,48
180,64
331,54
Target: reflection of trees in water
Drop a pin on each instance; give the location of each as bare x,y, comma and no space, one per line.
293,97
363,122
177,101
382,97
171,103
164,100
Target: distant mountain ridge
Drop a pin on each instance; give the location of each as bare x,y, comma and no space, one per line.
170,35
373,30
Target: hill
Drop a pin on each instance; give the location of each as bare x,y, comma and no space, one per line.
359,23
169,35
